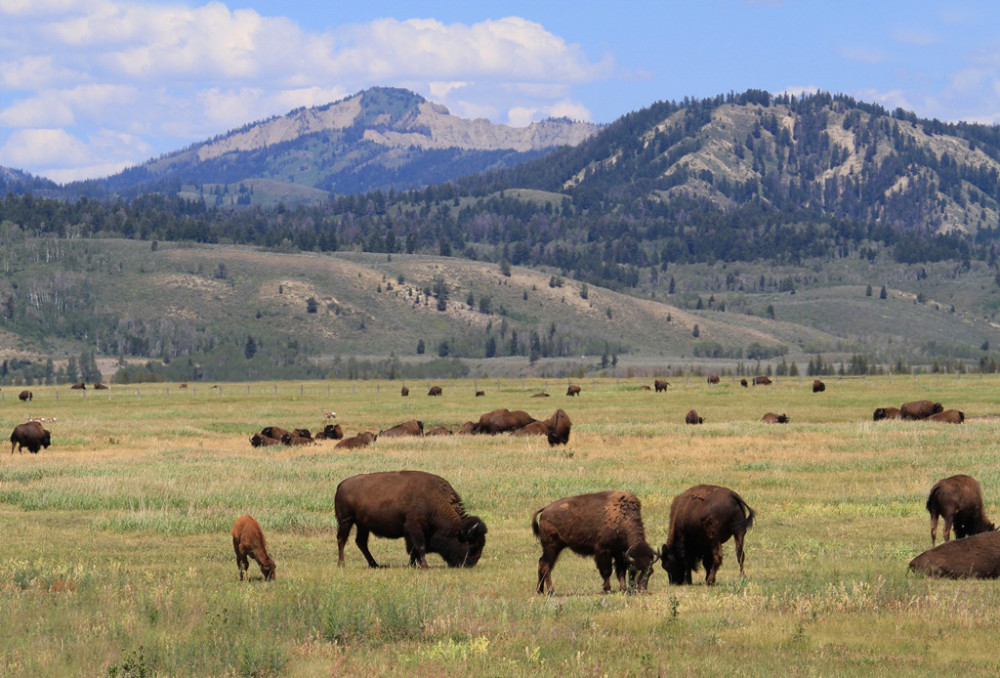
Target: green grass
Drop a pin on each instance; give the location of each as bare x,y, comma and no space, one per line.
117,559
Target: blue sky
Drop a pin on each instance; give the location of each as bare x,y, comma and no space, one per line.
88,87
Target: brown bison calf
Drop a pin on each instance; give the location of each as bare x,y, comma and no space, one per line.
975,557
692,418
606,525
919,409
886,413
248,542
959,501
772,418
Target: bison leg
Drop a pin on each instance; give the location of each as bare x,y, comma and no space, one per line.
361,539
241,559
545,565
738,539
620,570
416,546
343,532
604,566
712,563
947,527
934,523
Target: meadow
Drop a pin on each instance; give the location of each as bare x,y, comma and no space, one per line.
116,558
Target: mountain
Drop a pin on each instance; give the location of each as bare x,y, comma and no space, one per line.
378,139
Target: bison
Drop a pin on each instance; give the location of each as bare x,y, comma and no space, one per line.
30,434
296,439
573,390
434,391
100,387
713,379
540,394
772,418
661,385
886,413
331,432
438,431
959,501
261,440
248,542
818,386
948,417
919,409
420,507
503,421
407,428
702,519
363,439
556,428
274,432
761,381
25,396
404,391
975,557
606,525
480,394
744,384
692,418
467,428
80,386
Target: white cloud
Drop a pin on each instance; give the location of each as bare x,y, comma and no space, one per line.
865,55
42,147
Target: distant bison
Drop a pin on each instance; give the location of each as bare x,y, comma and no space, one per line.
25,396
407,428
713,379
646,387
702,519
919,409
274,432
100,387
661,385
556,428
480,394
818,386
503,421
467,428
80,386
30,434
606,525
886,413
573,390
948,417
772,418
260,440
248,542
404,391
744,384
422,508
692,418
540,394
331,432
761,381
975,557
434,391
296,439
363,439
438,431
959,501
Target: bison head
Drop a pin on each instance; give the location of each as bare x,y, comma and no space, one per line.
267,567
675,564
879,414
640,558
465,547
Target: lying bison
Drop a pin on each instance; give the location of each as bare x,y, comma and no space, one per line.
480,394
959,501
80,386
503,421
606,525
692,418
100,386
556,428
772,418
30,434
818,386
407,428
702,519
261,440
886,413
761,381
296,438
438,431
661,385
948,417
331,432
25,396
975,557
919,409
713,379
363,439
248,542
422,508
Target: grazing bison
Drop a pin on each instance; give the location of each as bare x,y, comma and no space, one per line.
260,440
25,396
80,386
556,428
422,508
661,385
363,439
480,394
434,391
503,421
886,413
100,387
30,434
606,525
919,409
702,519
761,381
975,557
404,391
573,390
407,428
248,542
744,384
331,432
959,501
818,386
713,379
438,431
772,418
692,418
948,417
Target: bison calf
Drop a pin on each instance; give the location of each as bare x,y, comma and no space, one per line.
976,557
959,501
606,525
248,542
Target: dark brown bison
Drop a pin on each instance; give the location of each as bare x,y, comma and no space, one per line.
535,428
274,432
420,507
404,391
296,439
540,394
30,434
692,418
772,418
25,396
331,432
713,379
761,381
919,409
818,386
260,440
556,428
302,432
959,501
480,394
975,557
606,525
363,439
886,413
434,391
100,387
407,428
248,542
184,385
503,421
744,384
80,386
948,417
573,390
467,428
438,431
702,519
661,385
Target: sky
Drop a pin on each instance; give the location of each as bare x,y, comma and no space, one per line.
90,87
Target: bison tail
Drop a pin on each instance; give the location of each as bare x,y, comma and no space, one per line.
750,513
534,525
931,502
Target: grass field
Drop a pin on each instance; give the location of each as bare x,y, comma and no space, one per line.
115,555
